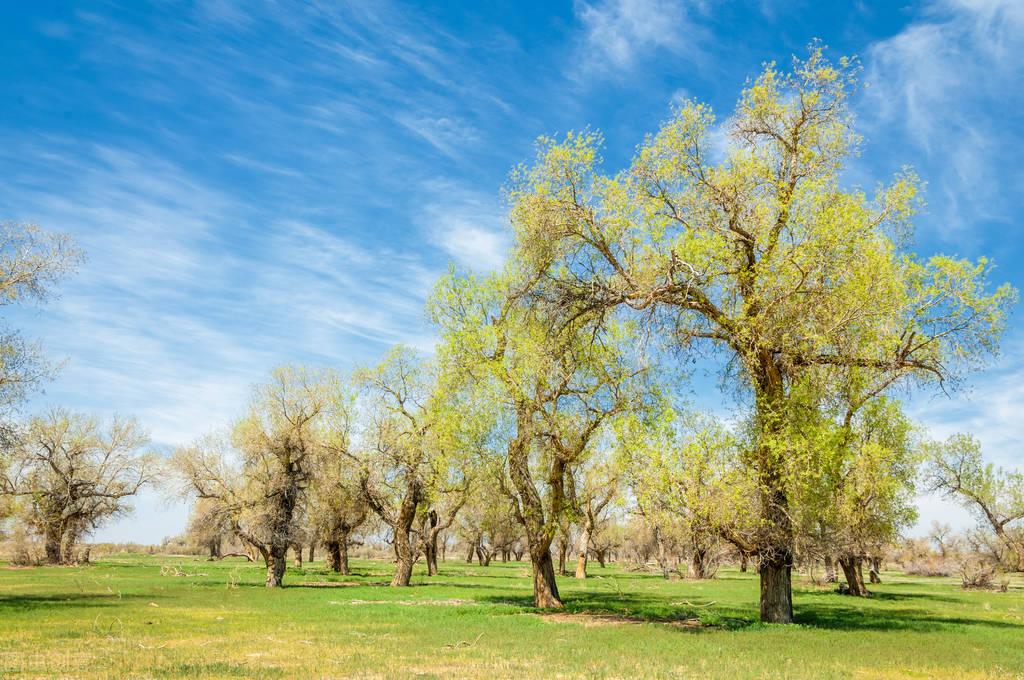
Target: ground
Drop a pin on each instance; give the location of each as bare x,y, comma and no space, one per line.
157,616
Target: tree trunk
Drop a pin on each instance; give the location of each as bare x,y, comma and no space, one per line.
776,589
563,551
403,568
699,564
312,550
854,575
876,570
545,589
530,512
601,557
472,551
277,562
334,555
582,550
662,555
52,542
777,544
343,567
297,559
744,561
830,569
404,549
430,552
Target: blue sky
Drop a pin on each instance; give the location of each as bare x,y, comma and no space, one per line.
263,182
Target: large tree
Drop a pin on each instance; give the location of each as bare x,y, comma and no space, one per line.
756,250
554,393
596,485
411,459
71,473
258,479
856,495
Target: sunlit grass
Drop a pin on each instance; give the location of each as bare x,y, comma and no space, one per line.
122,618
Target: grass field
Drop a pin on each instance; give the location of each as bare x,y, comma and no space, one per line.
123,617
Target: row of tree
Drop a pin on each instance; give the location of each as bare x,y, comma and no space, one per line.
555,394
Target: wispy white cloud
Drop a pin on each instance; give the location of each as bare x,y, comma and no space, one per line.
469,227
618,33
950,80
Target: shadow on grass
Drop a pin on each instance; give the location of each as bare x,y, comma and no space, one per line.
843,614
22,603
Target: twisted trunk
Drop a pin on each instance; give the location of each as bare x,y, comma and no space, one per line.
851,565
530,513
277,561
404,549
337,555
699,563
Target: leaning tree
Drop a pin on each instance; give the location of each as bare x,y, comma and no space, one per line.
760,252
994,495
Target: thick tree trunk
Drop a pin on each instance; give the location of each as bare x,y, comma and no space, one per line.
530,512
312,550
876,570
601,557
334,555
776,589
52,543
277,562
215,548
403,568
404,549
582,550
545,588
563,551
472,551
297,558
777,542
854,575
343,567
699,564
430,552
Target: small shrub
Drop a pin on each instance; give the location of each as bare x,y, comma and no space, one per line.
977,573
930,566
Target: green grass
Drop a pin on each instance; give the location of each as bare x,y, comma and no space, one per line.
122,618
